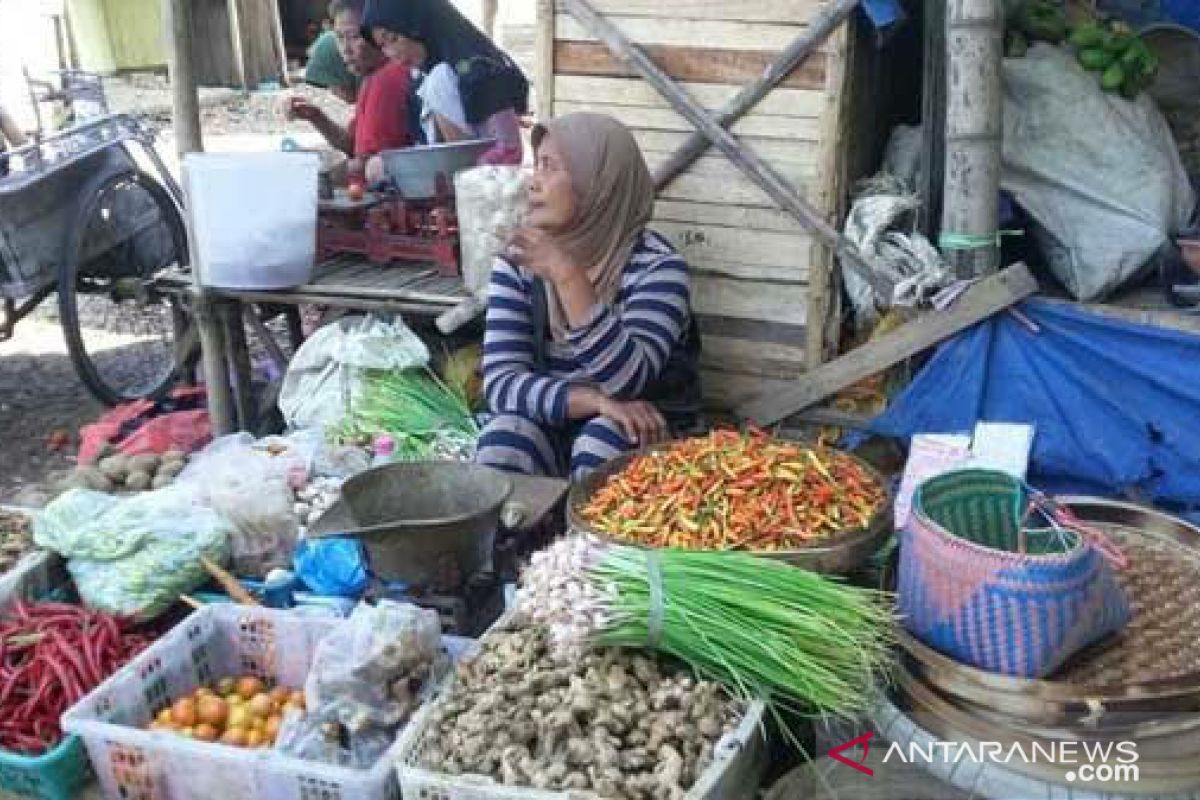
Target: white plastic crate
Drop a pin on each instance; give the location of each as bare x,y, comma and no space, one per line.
734,774
223,639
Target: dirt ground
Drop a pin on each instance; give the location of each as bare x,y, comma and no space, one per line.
39,391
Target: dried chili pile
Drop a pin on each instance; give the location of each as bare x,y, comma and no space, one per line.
735,491
51,655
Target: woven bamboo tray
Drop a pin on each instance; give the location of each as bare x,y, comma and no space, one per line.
1151,669
839,553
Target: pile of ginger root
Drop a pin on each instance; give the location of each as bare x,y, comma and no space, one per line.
613,722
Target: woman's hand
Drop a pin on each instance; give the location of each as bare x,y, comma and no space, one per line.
299,108
538,252
639,420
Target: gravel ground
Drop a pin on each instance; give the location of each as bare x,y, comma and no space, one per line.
40,393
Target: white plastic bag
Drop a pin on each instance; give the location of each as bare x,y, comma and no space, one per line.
1100,174
249,484
319,387
491,204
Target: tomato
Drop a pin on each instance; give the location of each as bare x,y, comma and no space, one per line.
256,739
184,712
260,705
356,192
212,710
249,686
235,737
205,732
279,696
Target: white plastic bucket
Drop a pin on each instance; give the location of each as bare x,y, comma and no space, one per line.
253,218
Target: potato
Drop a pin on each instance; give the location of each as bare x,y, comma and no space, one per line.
93,478
169,469
174,455
138,481
161,481
115,468
107,449
147,463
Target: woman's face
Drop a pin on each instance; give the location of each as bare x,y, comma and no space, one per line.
552,202
399,48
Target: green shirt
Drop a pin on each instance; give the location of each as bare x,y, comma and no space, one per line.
325,67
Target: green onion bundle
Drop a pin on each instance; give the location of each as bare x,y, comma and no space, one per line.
804,642
416,407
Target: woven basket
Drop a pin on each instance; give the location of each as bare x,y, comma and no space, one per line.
993,575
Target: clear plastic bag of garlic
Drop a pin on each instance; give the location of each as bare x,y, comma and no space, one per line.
491,204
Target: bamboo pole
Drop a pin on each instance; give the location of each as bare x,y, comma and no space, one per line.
185,104
970,206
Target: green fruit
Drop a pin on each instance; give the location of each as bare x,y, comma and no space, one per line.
1113,78
1119,42
1089,34
1095,59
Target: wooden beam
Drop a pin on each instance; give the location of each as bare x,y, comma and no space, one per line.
487,16
982,300
818,30
280,42
694,64
749,162
544,59
185,103
974,116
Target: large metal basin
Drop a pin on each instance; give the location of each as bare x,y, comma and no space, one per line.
416,172
413,518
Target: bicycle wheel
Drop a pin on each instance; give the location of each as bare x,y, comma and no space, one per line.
120,330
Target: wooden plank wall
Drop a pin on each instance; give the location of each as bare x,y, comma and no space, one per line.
752,264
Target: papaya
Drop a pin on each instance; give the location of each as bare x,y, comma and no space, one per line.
1095,59
1113,78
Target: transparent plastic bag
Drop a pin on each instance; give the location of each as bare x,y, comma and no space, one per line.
249,483
491,204
133,556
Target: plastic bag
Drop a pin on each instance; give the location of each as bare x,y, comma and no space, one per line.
320,384
334,567
249,483
133,556
368,675
491,204
1099,174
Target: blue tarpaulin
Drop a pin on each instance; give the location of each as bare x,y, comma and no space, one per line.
1116,406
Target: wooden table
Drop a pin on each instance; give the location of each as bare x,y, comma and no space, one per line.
342,284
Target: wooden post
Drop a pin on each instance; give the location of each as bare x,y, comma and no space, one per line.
933,110
826,20
185,104
216,367
544,59
280,42
238,352
970,206
488,9
235,41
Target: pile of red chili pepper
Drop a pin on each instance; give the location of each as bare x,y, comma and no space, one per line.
51,655
735,491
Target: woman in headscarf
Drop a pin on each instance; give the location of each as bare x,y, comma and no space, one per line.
326,69
471,88
590,347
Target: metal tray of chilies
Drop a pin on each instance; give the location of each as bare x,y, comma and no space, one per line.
838,553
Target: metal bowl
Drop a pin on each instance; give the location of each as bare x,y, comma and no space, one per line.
420,172
415,518
838,553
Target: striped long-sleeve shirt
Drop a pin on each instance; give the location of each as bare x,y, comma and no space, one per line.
620,348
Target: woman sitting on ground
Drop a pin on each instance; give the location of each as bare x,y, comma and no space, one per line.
590,348
471,88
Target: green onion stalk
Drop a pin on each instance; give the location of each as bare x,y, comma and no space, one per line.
805,643
425,415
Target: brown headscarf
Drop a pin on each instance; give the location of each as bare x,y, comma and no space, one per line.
615,196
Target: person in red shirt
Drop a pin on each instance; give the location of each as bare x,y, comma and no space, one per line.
381,111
